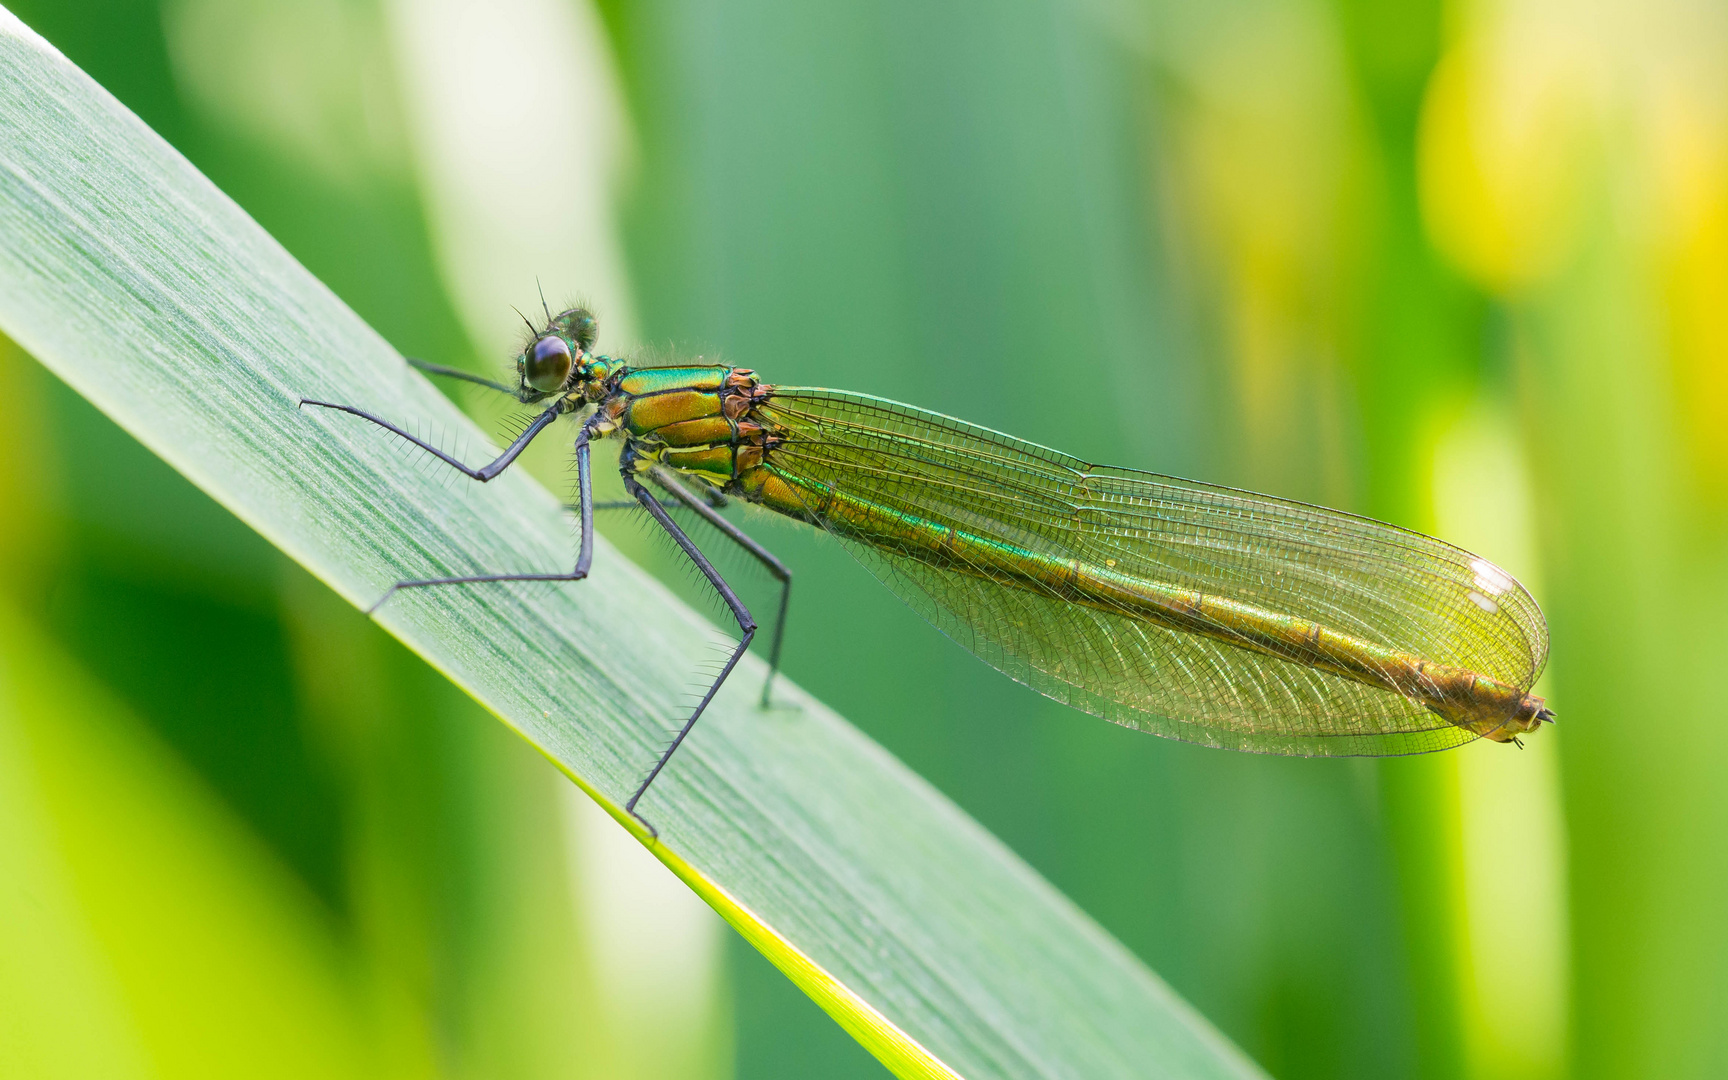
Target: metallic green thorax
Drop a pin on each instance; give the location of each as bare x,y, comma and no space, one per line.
713,423
697,420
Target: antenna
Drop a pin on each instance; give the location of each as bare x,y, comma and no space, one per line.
525,321
543,306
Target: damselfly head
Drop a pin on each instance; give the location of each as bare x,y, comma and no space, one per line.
557,358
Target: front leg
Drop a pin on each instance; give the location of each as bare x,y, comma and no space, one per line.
482,474
584,556
457,373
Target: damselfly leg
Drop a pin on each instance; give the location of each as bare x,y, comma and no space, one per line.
584,556
482,474
707,503
746,624
457,373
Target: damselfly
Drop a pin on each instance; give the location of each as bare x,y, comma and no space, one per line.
1183,609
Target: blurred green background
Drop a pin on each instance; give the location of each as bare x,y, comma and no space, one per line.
1460,266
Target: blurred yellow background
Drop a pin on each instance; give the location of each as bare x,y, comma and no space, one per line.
1461,266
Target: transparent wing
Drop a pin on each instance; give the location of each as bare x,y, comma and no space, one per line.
1378,583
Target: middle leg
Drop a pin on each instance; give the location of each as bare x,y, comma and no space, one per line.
706,503
708,512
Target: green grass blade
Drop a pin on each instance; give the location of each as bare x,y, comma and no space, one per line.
141,285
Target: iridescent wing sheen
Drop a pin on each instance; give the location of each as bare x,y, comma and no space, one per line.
1379,583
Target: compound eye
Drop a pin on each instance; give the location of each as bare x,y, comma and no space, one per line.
548,365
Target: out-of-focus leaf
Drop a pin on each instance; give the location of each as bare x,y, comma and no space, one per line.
143,930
